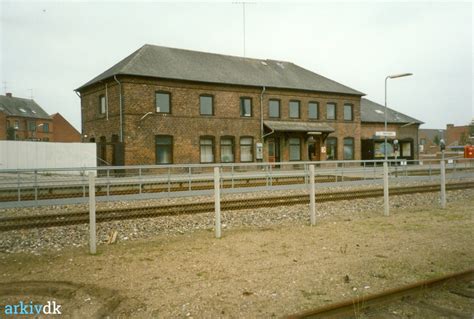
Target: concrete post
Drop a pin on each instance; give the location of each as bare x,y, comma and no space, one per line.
443,183
386,204
217,201
92,228
312,199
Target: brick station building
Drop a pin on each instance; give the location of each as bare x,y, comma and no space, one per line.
163,105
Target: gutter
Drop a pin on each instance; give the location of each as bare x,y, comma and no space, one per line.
120,109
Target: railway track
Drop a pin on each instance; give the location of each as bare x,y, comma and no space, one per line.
449,296
105,215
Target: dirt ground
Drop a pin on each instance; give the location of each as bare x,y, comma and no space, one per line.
249,272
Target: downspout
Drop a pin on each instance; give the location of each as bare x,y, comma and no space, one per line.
261,114
120,109
82,117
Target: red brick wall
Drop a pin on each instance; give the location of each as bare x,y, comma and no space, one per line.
456,135
23,133
63,130
185,123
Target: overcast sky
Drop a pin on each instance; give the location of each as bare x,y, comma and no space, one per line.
55,47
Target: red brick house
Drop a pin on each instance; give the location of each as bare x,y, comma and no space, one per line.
24,120
163,105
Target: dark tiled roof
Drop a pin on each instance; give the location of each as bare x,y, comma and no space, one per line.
15,106
289,126
374,112
179,64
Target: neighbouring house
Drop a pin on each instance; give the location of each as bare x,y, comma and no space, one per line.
63,130
459,135
373,120
24,120
163,105
429,140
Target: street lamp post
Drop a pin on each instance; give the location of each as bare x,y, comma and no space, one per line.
385,113
385,163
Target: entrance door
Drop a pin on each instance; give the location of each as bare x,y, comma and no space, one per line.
273,150
314,150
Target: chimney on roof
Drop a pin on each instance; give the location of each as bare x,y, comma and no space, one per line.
9,94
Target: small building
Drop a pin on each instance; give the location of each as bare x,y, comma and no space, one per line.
24,120
459,135
405,128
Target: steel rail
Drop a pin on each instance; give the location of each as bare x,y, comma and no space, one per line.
345,309
104,215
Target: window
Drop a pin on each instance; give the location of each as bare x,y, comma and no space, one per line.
17,125
406,149
227,150
294,109
8,123
206,105
348,148
245,106
295,148
313,110
207,149
45,127
162,102
31,126
348,112
331,148
274,108
102,104
331,111
246,149
423,141
164,149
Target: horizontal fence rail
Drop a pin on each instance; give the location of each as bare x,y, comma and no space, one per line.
39,187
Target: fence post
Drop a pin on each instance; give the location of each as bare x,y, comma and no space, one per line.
386,204
92,228
217,201
312,200
443,184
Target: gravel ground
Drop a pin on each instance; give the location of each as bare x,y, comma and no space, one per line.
38,241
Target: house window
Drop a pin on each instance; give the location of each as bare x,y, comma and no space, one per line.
348,115
245,106
423,141
274,108
32,126
162,102
246,149
227,150
295,148
17,125
102,104
348,148
313,110
164,149
331,111
45,127
294,109
206,105
331,148
207,149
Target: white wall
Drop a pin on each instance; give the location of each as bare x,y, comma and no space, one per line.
23,154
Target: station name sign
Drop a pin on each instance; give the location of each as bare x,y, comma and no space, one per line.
386,133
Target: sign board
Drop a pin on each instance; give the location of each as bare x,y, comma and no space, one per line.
259,151
386,133
323,149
